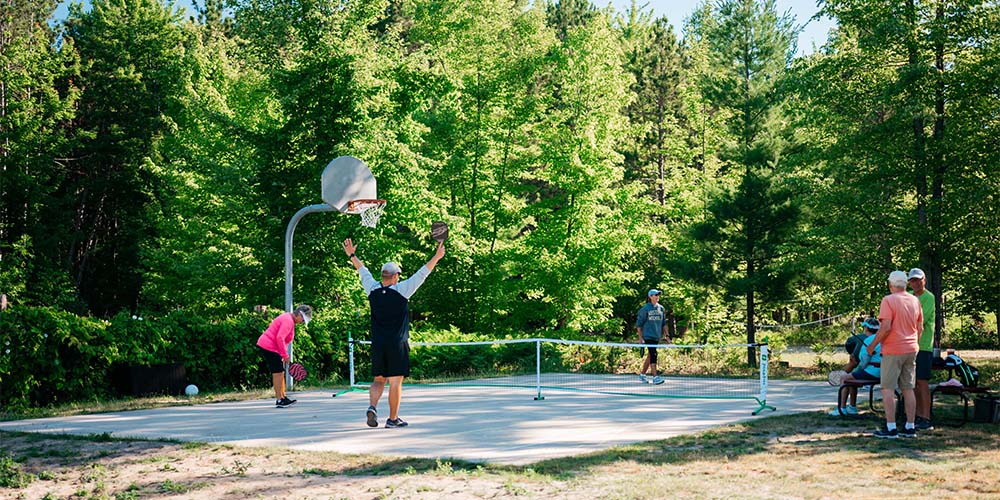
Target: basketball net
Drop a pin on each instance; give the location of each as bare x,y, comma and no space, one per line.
371,215
370,211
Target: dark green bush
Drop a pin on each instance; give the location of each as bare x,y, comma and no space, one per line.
971,335
49,356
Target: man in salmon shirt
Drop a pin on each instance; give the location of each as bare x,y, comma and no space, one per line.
273,347
902,320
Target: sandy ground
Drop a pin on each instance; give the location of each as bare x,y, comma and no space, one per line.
121,470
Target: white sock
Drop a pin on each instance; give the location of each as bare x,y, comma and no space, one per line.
891,426
909,426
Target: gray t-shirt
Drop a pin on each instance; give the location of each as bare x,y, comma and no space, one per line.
406,288
650,320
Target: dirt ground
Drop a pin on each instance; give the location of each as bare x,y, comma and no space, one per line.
801,456
141,469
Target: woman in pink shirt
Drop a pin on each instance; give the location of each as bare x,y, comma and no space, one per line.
273,347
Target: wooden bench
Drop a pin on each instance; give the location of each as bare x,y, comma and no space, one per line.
960,391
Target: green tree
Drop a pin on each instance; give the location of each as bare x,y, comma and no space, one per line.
581,223
565,15
749,232
897,81
206,253
36,105
660,159
482,117
133,72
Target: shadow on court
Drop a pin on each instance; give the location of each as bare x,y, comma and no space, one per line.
501,426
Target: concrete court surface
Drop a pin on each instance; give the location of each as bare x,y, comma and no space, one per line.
475,424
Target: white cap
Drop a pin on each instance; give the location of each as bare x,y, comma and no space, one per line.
916,272
391,268
305,312
897,279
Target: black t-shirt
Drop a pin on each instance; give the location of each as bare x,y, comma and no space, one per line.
390,315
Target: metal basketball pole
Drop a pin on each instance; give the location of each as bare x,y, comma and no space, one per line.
289,235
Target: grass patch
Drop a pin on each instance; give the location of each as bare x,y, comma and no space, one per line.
797,456
11,475
128,404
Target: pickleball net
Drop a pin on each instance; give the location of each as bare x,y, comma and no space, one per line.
540,366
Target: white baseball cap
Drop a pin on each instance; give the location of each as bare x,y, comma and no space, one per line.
391,268
898,279
916,272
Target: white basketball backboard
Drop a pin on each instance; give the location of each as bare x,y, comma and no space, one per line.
345,179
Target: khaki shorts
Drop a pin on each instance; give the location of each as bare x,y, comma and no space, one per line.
899,371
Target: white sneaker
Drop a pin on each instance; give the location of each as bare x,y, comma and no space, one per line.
851,410
657,380
642,378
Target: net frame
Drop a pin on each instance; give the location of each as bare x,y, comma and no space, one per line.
759,393
370,210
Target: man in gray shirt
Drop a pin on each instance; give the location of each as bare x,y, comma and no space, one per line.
390,330
650,328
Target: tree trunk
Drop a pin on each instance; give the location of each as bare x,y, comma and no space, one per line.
751,331
933,252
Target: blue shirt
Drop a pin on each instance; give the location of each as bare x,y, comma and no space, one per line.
650,320
866,360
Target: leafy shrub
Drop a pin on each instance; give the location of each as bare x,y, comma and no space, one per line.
11,475
971,335
49,356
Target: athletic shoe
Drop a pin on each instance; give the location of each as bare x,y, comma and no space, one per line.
924,424
395,423
373,417
908,433
851,410
886,434
836,413
657,380
642,378
284,403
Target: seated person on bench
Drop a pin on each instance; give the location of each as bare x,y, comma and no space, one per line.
865,368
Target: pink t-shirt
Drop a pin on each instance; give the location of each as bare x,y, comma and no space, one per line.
278,335
907,319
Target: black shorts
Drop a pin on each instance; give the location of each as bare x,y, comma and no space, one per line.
390,359
924,359
273,360
652,351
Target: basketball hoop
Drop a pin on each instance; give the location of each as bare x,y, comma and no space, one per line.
370,210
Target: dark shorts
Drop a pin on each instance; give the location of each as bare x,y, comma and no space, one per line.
924,361
273,360
863,375
390,359
652,352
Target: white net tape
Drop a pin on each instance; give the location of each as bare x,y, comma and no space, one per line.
371,215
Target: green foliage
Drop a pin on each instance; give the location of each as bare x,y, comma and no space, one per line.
747,240
971,335
151,163
49,356
898,110
37,98
133,71
11,475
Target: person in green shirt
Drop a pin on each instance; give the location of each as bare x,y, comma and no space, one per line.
918,281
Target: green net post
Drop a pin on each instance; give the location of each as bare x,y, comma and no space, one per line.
762,399
350,364
538,369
